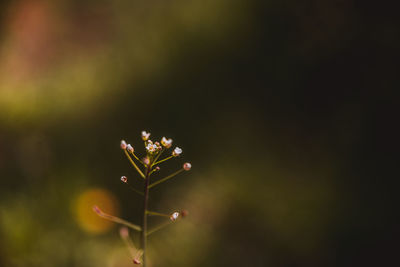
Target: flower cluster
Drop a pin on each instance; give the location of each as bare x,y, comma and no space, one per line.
150,163
153,148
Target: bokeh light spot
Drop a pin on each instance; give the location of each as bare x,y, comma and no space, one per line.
87,218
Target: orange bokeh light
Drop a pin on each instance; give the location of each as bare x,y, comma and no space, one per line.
87,219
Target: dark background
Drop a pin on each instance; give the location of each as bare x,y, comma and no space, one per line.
284,108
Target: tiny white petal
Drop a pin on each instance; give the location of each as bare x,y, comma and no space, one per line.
174,216
145,135
177,151
123,144
166,142
129,148
187,166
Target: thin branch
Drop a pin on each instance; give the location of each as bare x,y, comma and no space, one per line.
161,226
153,171
124,233
166,178
157,157
135,190
167,158
134,164
135,253
116,219
157,214
133,153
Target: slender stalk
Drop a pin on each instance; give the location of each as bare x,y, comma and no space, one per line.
135,190
161,226
129,244
167,158
144,222
115,219
134,165
154,170
166,178
158,214
133,154
158,156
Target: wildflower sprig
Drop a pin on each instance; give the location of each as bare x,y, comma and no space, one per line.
154,150
135,253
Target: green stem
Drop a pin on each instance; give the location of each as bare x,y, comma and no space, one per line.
157,157
116,219
157,214
129,244
166,178
134,165
161,226
144,222
158,162
135,190
133,153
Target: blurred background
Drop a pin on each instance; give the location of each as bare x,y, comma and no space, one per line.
282,107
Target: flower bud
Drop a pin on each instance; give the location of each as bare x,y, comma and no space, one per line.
145,135
146,160
184,213
158,146
124,232
187,166
166,142
124,179
123,144
177,151
174,216
129,148
97,209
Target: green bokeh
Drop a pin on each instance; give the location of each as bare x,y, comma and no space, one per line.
279,105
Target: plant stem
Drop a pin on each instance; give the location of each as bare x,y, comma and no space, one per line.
144,222
167,158
166,178
134,165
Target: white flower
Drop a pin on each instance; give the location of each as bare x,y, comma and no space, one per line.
145,135
187,166
177,151
129,148
123,144
166,142
151,148
174,216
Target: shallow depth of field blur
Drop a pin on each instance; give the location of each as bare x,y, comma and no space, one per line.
282,108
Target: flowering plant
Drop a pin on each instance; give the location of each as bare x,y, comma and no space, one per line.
150,163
